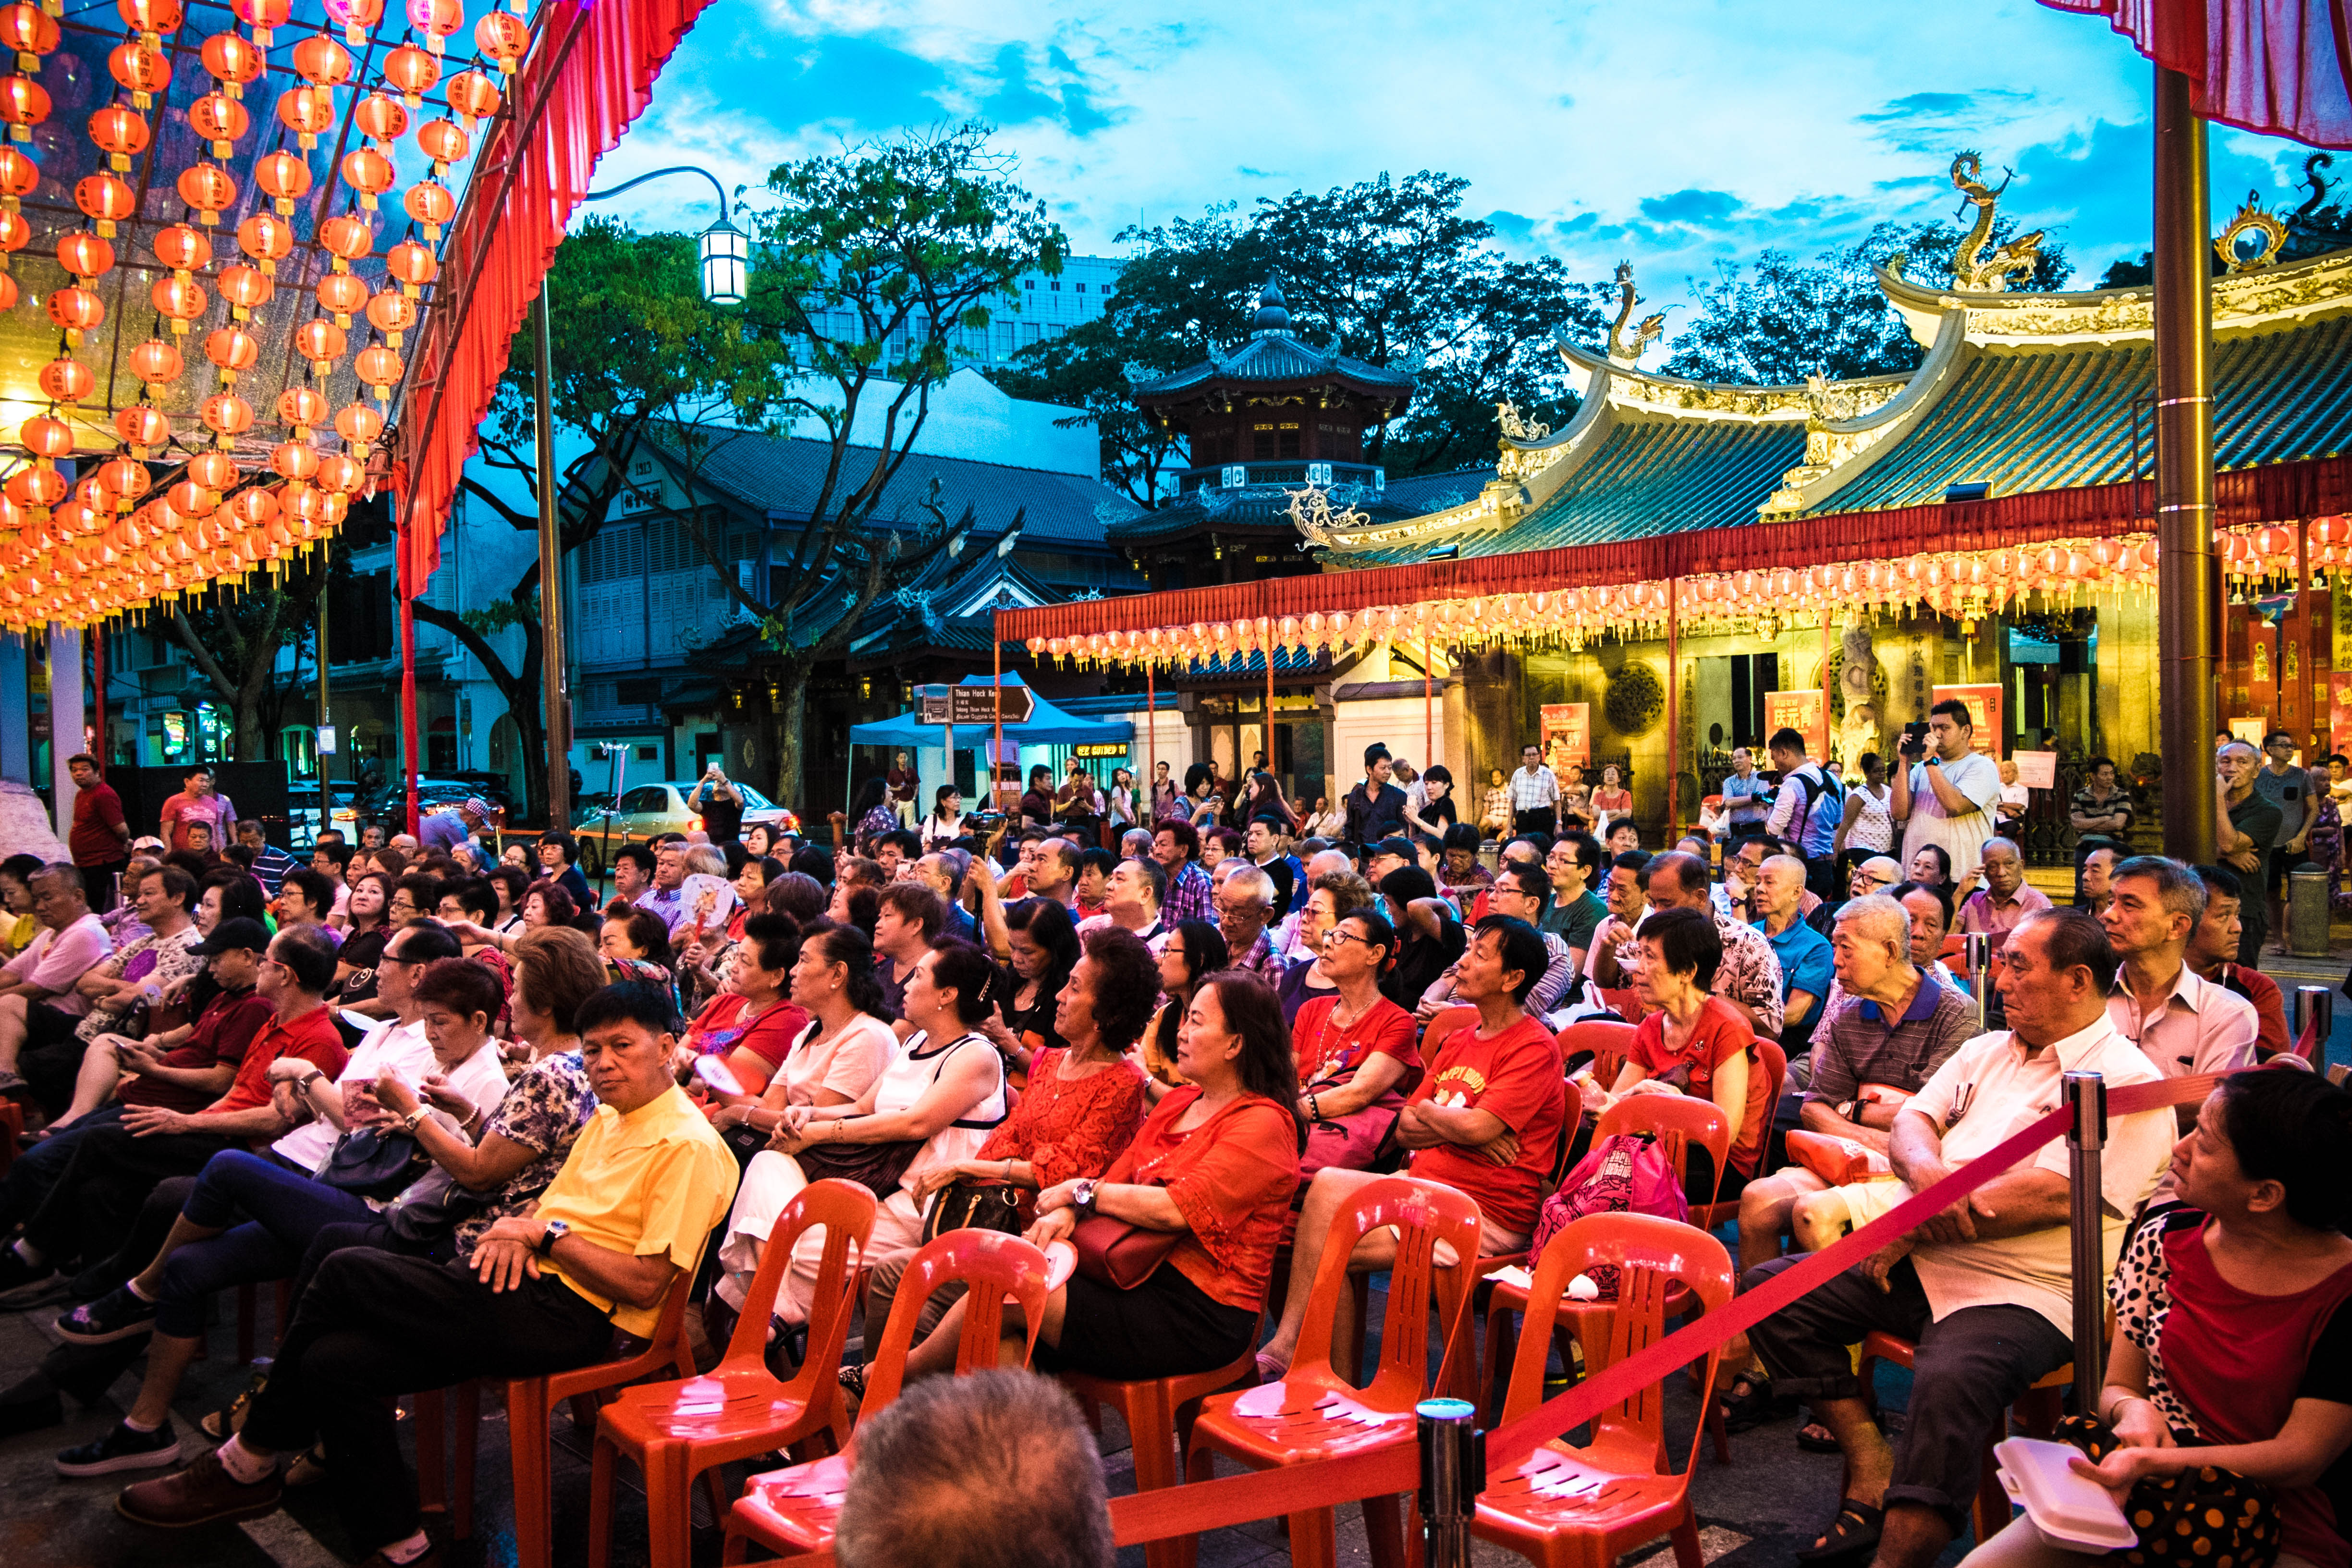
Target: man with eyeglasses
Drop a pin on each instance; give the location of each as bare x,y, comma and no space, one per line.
1574,910
1520,891
1875,875
1244,908
322,1104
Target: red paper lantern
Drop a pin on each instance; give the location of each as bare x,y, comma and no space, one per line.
370,172
380,115
120,133
347,237
233,349
107,198
191,500
321,343
412,72
302,500
77,310
208,188
246,289
20,176
357,17
232,60
340,474
436,19
7,290
358,424
23,105
301,407
255,508
215,471
413,264
29,31
150,17
268,239
143,425
473,96
46,437
67,380
342,293
294,459
15,232
219,120
261,15
504,37
321,60
391,313
157,361
85,255
179,300
307,112
182,249
431,205
378,367
37,486
142,70
128,479
443,142
227,413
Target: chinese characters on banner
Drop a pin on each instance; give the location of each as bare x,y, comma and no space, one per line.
1801,712
1984,710
1568,737
2339,711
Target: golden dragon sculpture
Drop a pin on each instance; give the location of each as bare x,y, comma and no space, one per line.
1622,349
1978,267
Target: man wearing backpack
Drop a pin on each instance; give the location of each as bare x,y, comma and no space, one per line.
1806,809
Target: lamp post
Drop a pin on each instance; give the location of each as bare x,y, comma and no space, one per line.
722,253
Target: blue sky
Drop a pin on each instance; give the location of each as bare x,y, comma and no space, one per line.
1673,133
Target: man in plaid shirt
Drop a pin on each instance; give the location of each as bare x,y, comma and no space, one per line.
1177,847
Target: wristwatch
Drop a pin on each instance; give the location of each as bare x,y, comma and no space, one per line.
556,1231
408,1123
1082,1196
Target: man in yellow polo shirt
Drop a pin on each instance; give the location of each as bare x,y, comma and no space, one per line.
622,1222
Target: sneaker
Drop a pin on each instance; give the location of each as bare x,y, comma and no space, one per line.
117,1315
123,1448
22,1284
200,1494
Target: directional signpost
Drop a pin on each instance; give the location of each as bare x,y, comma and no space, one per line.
949,706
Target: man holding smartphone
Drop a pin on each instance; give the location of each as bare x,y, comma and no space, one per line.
720,802
1945,791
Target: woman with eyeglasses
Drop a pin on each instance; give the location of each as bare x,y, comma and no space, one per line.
1330,899
1194,949
1867,826
1354,1048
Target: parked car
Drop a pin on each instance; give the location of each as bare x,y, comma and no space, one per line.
649,810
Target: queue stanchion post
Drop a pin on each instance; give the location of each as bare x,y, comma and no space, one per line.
1453,1474
2315,1015
2087,1095
1976,950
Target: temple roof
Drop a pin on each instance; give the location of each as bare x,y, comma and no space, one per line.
1273,356
2023,392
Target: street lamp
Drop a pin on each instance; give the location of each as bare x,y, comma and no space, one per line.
722,251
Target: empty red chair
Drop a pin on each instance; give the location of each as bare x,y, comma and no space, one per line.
1315,1412
675,1431
791,1510
1607,1043
1585,1506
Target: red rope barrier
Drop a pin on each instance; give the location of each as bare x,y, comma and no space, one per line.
1236,1500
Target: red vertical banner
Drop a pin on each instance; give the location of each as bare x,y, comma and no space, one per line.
1803,711
1568,735
1986,707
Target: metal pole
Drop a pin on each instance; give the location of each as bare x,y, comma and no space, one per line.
98,696
1149,815
2188,606
2315,1005
326,713
1976,949
1453,1474
2087,1092
995,679
1428,658
555,684
1674,713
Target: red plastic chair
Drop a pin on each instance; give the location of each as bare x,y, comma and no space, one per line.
1160,1414
1773,1063
2038,1412
1607,1043
675,1431
1677,1121
1584,1507
1315,1412
791,1510
1621,1001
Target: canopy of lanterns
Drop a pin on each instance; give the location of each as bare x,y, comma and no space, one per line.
1964,585
203,297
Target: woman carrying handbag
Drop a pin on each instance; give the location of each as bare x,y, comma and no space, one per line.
1357,1060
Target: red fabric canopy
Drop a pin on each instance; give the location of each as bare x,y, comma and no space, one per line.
2273,66
593,74
2320,487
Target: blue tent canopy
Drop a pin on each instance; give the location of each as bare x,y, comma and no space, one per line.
1047,726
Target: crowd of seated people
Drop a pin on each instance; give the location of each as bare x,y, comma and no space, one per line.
1220,1035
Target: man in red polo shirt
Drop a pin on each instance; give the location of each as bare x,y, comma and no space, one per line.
1485,1120
90,1209
99,839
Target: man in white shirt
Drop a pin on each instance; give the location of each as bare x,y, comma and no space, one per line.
1535,794
396,1045
1947,792
1984,1287
39,1005
2185,1024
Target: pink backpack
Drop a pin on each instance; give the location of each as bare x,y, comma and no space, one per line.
1626,1173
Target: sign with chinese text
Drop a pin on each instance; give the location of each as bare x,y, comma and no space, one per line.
1801,712
1567,735
974,705
1985,709
2036,770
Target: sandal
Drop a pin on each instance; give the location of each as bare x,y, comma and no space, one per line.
851,1376
1853,1532
1270,1370
1745,1411
1814,1438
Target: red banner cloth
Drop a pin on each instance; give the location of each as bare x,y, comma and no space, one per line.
2273,66
591,75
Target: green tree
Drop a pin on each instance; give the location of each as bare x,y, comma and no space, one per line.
633,346
1390,272
1778,320
234,633
869,264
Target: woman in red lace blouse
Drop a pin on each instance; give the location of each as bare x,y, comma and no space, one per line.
1083,1104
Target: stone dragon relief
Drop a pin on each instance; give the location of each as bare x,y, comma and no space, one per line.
1515,426
1978,267
1627,350
1311,514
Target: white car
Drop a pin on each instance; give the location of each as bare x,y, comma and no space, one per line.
646,811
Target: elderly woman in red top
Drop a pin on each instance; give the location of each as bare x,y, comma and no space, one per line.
1354,1050
1215,1165
750,1026
1485,1121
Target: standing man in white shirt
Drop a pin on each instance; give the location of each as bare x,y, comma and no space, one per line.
1535,795
1945,793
